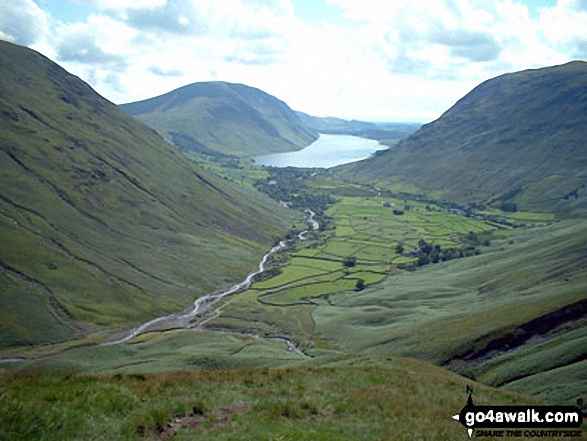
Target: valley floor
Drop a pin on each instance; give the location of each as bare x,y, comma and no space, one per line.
496,297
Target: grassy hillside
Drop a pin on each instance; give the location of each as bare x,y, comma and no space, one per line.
512,316
498,296
219,117
512,312
103,223
518,138
346,398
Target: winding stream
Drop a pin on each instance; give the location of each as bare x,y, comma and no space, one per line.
206,302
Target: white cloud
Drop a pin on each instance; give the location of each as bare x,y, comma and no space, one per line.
22,21
83,48
121,4
383,60
165,73
564,27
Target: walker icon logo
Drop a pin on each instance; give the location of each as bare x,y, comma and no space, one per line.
519,421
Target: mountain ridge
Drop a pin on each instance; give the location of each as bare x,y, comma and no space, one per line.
515,138
102,222
226,118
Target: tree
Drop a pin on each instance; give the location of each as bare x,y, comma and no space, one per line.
423,260
360,285
399,249
349,261
509,207
424,246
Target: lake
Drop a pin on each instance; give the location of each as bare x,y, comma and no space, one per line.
327,151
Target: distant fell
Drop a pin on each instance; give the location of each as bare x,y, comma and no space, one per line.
219,117
518,140
102,223
380,131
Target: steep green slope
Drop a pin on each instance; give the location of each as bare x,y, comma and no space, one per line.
101,221
517,138
219,117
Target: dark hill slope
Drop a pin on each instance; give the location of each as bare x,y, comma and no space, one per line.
520,137
101,221
231,119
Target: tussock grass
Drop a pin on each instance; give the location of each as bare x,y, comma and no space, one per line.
398,399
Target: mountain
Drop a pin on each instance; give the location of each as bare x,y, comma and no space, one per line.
218,117
372,130
515,140
102,222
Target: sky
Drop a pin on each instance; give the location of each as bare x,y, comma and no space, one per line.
373,60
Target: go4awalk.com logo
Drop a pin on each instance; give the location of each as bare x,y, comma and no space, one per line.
520,421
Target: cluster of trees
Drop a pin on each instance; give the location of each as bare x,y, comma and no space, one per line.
505,201
429,253
475,239
288,185
508,207
572,194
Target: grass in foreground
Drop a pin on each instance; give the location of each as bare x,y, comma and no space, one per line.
390,399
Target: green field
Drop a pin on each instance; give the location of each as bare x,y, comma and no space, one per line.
366,230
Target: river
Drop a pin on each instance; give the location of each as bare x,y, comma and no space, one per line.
202,304
327,151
